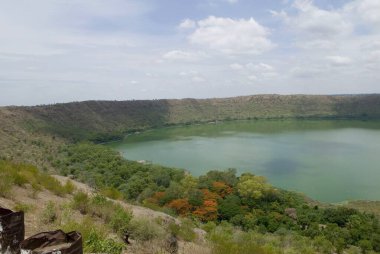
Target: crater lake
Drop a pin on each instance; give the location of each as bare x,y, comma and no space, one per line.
328,160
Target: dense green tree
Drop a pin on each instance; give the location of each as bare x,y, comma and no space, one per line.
229,207
195,197
227,176
252,186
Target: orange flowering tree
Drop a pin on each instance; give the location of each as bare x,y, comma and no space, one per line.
207,212
181,206
221,188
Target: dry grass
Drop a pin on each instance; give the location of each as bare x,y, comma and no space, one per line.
40,207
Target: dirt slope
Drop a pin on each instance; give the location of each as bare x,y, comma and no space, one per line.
35,204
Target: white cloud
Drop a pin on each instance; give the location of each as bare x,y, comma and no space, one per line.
260,71
193,76
305,72
319,23
198,79
187,24
339,60
367,10
181,55
236,66
313,27
261,67
374,56
232,36
188,73
214,3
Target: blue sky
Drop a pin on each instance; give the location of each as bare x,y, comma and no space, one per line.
59,51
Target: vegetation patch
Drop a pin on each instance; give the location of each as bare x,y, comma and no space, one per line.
248,202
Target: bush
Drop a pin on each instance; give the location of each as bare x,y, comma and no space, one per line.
185,230
224,243
51,184
120,219
23,207
20,174
94,237
96,243
69,187
144,230
81,202
49,214
111,193
101,207
6,183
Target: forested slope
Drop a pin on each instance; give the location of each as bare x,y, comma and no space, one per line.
105,120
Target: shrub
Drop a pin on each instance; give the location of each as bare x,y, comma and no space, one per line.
111,193
49,214
101,207
184,230
69,187
94,237
120,219
96,243
51,184
81,202
19,179
6,183
23,207
144,230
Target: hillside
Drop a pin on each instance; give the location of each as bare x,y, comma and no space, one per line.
105,120
63,205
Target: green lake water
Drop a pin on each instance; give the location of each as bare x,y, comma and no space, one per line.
330,161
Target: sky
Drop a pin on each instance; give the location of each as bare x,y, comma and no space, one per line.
54,51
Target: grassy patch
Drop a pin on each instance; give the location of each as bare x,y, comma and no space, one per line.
95,238
26,208
22,174
145,230
49,214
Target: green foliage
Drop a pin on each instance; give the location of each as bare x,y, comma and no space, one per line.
112,214
69,187
228,177
26,208
101,121
52,184
230,207
6,183
251,186
223,242
81,202
248,202
49,214
120,219
96,243
21,174
144,230
195,197
105,169
184,230
95,238
340,216
111,192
